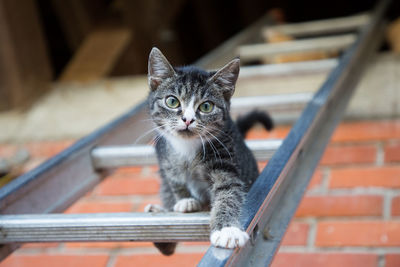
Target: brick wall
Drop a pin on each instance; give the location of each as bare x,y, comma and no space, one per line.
350,215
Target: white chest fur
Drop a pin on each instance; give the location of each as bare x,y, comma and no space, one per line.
186,148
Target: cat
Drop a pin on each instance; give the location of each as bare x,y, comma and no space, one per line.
203,160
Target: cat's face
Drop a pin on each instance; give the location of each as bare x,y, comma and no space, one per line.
188,102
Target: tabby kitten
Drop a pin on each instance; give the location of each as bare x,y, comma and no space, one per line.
204,162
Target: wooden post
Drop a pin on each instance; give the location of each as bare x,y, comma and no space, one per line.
24,65
147,21
78,18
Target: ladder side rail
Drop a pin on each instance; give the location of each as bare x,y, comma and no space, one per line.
274,197
63,179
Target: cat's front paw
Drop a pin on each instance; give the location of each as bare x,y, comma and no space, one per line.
187,205
229,237
153,208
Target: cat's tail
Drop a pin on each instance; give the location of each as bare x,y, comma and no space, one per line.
245,122
167,248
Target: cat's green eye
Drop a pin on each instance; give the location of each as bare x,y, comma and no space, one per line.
206,107
172,102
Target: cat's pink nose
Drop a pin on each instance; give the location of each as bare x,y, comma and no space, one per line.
187,121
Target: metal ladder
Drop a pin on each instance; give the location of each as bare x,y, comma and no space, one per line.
271,201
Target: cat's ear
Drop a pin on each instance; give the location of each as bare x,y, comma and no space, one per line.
226,77
159,69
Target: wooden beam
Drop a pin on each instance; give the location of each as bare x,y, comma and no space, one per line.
393,35
25,70
97,55
78,18
150,22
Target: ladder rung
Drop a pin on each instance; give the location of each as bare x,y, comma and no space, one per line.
288,102
339,42
104,227
118,156
290,68
326,26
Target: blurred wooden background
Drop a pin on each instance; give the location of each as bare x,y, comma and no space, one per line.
85,40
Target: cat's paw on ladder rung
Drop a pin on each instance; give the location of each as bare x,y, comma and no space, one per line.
153,208
187,205
229,237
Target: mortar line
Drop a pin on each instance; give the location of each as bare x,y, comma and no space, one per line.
380,154
326,175
112,258
312,233
381,260
387,206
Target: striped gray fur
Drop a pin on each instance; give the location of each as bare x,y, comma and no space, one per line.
204,163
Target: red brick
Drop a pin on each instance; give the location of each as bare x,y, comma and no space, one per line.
176,260
39,245
296,234
324,259
388,176
349,154
197,243
320,206
358,233
44,260
262,165
122,175
32,163
279,132
392,260
135,172
316,179
85,206
367,131
396,206
7,150
47,149
108,245
392,153
129,170
128,186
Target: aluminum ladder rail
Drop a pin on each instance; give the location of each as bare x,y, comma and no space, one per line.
274,197
303,147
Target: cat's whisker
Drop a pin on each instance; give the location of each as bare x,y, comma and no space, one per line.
214,149
216,138
220,132
158,137
209,141
204,149
148,132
